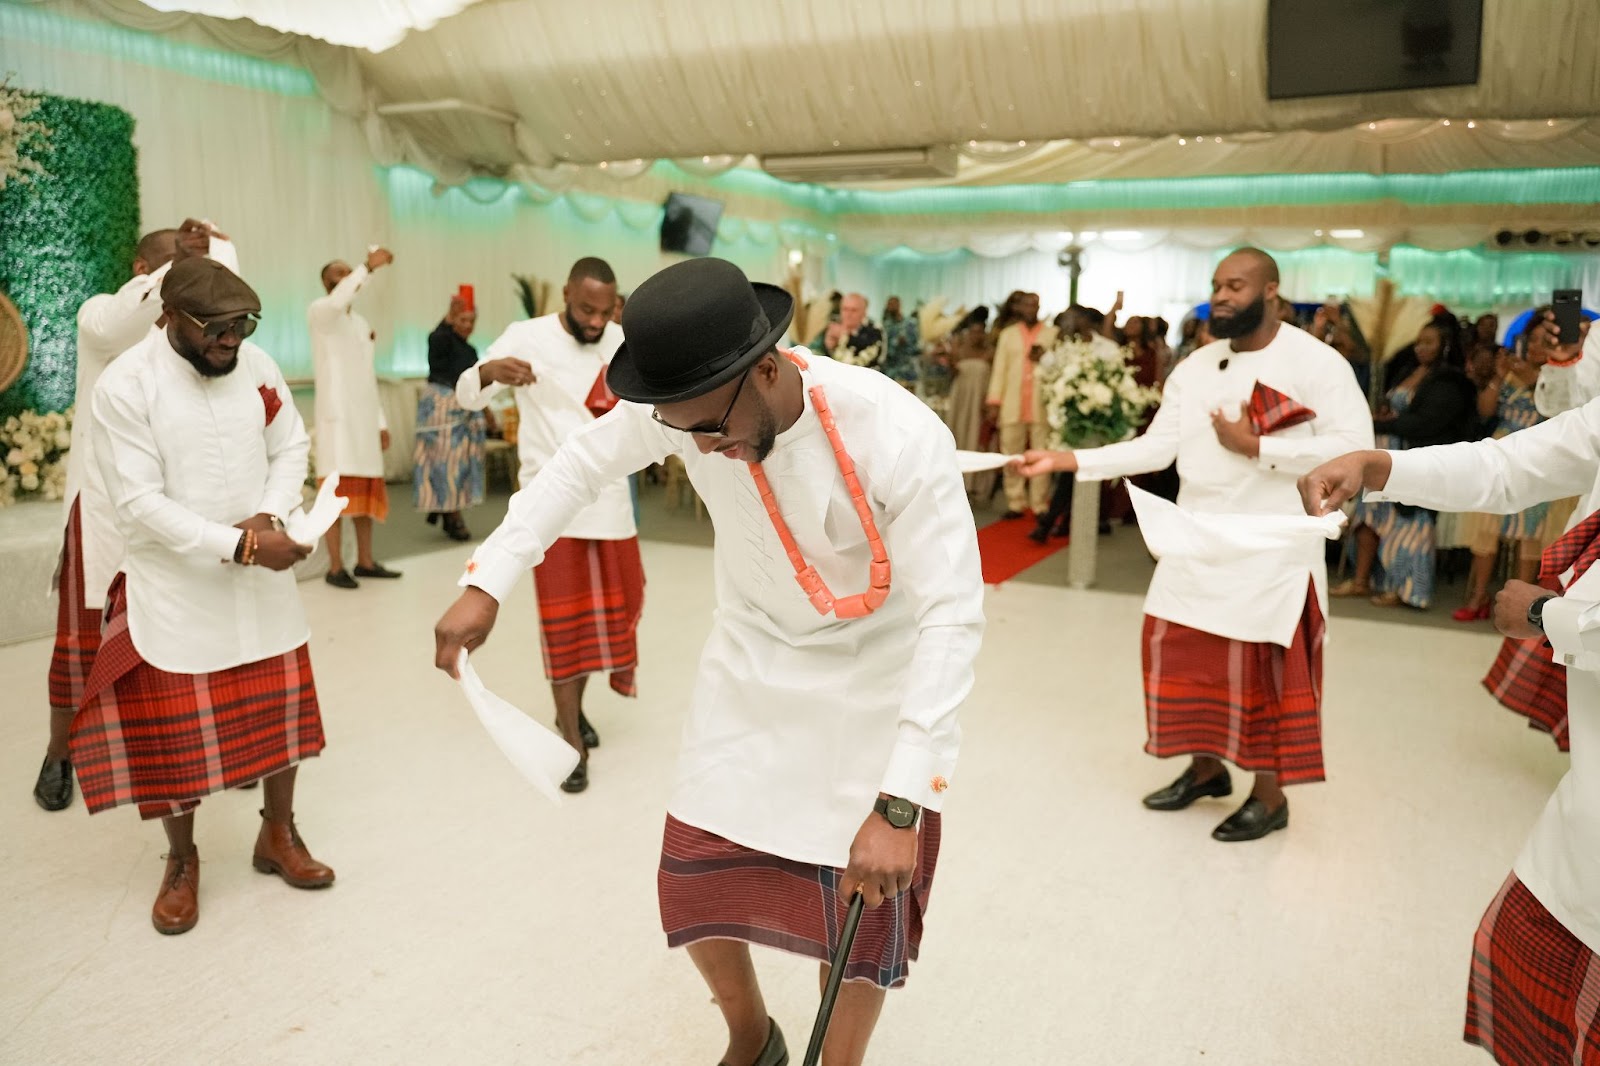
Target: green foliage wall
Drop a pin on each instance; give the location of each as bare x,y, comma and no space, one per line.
64,236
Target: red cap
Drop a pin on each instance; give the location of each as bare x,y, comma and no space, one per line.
465,295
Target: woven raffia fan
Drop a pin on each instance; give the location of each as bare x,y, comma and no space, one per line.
13,344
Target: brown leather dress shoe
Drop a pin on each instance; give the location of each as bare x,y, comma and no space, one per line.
177,906
279,850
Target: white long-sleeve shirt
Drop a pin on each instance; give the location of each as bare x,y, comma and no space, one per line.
798,720
552,409
349,417
1560,863
108,325
1257,598
184,457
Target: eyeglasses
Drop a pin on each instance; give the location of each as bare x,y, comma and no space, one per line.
215,329
720,430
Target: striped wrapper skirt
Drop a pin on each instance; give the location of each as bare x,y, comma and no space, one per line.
1533,998
591,596
164,740
77,626
711,888
1526,679
1259,706
448,456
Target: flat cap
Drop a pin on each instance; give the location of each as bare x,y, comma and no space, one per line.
207,289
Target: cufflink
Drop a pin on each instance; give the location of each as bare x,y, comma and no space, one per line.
472,566
938,784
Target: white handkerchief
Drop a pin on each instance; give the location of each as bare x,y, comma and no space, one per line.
537,753
1169,530
978,462
306,527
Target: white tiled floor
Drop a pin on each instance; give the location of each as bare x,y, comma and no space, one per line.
473,922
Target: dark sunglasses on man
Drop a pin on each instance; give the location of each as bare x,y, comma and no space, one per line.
240,326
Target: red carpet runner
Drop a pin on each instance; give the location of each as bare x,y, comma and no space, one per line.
1006,550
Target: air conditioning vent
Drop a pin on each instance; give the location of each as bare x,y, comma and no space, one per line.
891,164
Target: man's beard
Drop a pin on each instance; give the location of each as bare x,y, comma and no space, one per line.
578,332
766,431
1242,323
204,367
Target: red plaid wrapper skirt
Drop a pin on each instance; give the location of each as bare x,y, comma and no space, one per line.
164,740
77,626
591,594
1534,995
1259,706
1526,679
368,496
711,888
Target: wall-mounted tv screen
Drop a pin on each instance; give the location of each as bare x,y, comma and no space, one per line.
690,224
1335,47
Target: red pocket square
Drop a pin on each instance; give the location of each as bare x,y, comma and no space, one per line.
600,399
270,400
1271,410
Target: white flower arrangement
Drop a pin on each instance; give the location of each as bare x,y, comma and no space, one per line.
33,455
17,133
1090,400
868,356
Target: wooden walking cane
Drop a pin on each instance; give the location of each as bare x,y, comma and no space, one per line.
841,955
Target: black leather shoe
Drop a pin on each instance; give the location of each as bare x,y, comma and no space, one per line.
591,739
376,570
578,780
1251,822
53,790
1040,534
1011,516
775,1053
341,579
1185,790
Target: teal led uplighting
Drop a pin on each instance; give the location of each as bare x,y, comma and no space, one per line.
1566,185
101,38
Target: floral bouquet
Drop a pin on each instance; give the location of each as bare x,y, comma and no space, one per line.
20,138
870,355
33,455
1090,400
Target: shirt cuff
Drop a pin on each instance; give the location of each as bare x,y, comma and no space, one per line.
281,504
1402,484
918,775
221,541
1089,466
495,571
1563,619
1271,452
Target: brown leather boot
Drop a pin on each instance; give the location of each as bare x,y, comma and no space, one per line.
279,850
177,906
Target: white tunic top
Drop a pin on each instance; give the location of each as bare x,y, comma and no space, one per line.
552,409
1257,599
108,325
799,720
184,457
349,417
1560,863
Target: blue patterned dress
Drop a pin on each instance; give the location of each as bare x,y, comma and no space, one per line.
447,474
1517,411
1405,534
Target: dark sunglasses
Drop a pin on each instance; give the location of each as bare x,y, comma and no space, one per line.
240,327
720,430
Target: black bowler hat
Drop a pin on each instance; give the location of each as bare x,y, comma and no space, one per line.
693,328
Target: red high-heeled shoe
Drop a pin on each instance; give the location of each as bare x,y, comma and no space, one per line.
1473,614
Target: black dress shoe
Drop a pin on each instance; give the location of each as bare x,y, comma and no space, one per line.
591,739
341,579
53,790
433,518
1186,789
578,780
1251,822
775,1053
1011,516
376,570
1040,534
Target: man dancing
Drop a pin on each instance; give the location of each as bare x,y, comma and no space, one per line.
108,325
590,584
1233,654
1533,996
822,733
203,681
